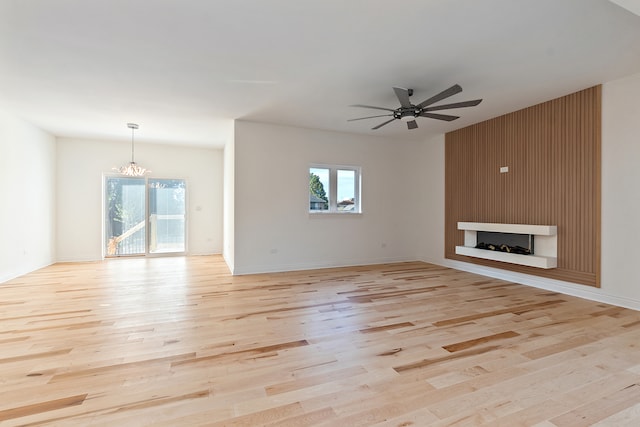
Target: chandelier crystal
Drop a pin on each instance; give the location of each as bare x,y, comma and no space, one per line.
132,169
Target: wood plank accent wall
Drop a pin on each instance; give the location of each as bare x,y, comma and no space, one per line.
553,154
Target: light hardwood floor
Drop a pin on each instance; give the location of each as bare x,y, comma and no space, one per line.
180,342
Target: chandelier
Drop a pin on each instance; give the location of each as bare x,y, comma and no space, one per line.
132,169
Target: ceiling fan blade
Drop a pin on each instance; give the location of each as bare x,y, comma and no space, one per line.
382,124
370,117
442,95
371,106
454,105
439,116
412,124
403,96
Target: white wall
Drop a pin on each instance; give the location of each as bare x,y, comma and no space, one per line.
273,228
81,165
228,250
621,188
27,206
620,278
429,167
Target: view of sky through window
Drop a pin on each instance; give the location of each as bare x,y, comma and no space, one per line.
346,184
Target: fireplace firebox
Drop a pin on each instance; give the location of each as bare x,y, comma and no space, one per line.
505,242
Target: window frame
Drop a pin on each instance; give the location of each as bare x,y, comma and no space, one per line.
333,189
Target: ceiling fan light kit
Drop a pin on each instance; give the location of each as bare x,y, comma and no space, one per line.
408,112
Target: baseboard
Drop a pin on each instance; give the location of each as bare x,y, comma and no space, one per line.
84,258
566,288
279,268
14,274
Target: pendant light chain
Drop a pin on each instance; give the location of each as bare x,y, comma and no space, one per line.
133,129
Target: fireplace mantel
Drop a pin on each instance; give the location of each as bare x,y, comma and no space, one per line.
545,237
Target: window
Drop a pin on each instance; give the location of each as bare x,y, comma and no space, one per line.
334,189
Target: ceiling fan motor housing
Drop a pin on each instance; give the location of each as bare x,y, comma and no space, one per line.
407,114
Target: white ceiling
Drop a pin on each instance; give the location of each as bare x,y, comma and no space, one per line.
185,69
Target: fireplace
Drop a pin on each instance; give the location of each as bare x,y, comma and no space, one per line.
512,243
505,242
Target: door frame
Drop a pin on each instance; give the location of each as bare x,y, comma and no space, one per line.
146,218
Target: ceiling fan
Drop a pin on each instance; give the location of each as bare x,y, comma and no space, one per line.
408,112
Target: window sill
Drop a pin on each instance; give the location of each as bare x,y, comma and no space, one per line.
326,213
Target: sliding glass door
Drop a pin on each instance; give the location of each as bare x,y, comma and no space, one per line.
166,215
125,225
144,216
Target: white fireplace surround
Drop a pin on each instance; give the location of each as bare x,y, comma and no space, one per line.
545,243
